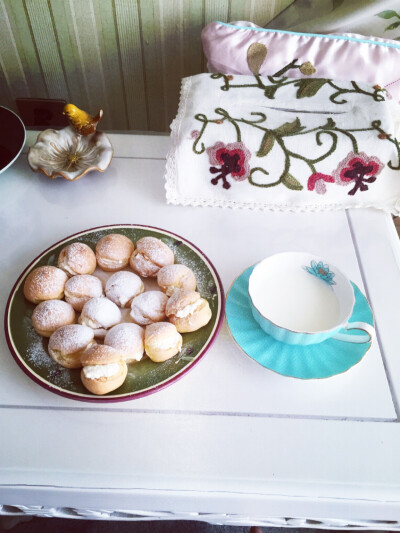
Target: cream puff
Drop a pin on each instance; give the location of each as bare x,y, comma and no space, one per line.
113,252
128,339
100,314
45,283
68,343
172,277
77,258
150,255
122,287
51,315
149,307
103,369
80,289
162,341
188,311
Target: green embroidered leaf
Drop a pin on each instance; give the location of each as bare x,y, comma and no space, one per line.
393,26
308,88
266,144
330,124
387,14
290,128
270,91
291,183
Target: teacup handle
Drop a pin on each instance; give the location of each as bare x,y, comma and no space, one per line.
358,339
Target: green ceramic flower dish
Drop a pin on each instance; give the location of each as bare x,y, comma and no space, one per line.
144,377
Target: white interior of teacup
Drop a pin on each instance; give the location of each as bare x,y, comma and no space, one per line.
288,295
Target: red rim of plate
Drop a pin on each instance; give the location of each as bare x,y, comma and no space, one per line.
134,395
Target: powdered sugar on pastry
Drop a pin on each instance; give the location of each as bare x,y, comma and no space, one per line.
77,258
51,315
155,250
128,339
45,283
113,251
122,287
100,313
80,289
150,255
172,277
70,339
162,341
149,307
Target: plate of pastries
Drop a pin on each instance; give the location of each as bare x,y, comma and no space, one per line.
114,313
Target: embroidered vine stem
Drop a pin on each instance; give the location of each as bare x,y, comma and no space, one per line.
264,185
307,87
292,65
226,116
260,169
376,94
350,136
202,118
376,125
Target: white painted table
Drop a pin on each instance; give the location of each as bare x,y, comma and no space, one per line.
231,442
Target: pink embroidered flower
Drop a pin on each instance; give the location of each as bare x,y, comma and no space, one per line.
232,158
194,134
354,168
317,182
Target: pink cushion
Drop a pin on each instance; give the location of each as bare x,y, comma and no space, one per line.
345,57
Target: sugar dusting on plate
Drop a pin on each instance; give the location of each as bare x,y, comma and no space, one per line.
39,360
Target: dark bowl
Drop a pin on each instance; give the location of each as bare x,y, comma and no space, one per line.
12,137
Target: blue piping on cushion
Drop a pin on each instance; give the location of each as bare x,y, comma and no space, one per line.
342,37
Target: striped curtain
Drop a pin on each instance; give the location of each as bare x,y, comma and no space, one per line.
124,56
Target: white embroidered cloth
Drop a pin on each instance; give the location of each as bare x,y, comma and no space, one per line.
283,144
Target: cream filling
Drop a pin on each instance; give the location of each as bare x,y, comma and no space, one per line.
111,262
64,265
135,357
86,321
100,332
66,356
141,257
101,371
165,344
123,300
189,309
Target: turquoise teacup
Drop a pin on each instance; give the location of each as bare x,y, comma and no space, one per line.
299,299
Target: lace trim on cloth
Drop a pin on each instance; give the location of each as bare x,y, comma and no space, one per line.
171,170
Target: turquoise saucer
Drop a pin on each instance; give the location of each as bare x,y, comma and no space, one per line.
322,360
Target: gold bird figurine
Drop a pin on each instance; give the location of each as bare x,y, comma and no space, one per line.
84,123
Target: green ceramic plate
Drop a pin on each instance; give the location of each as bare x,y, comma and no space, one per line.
145,377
